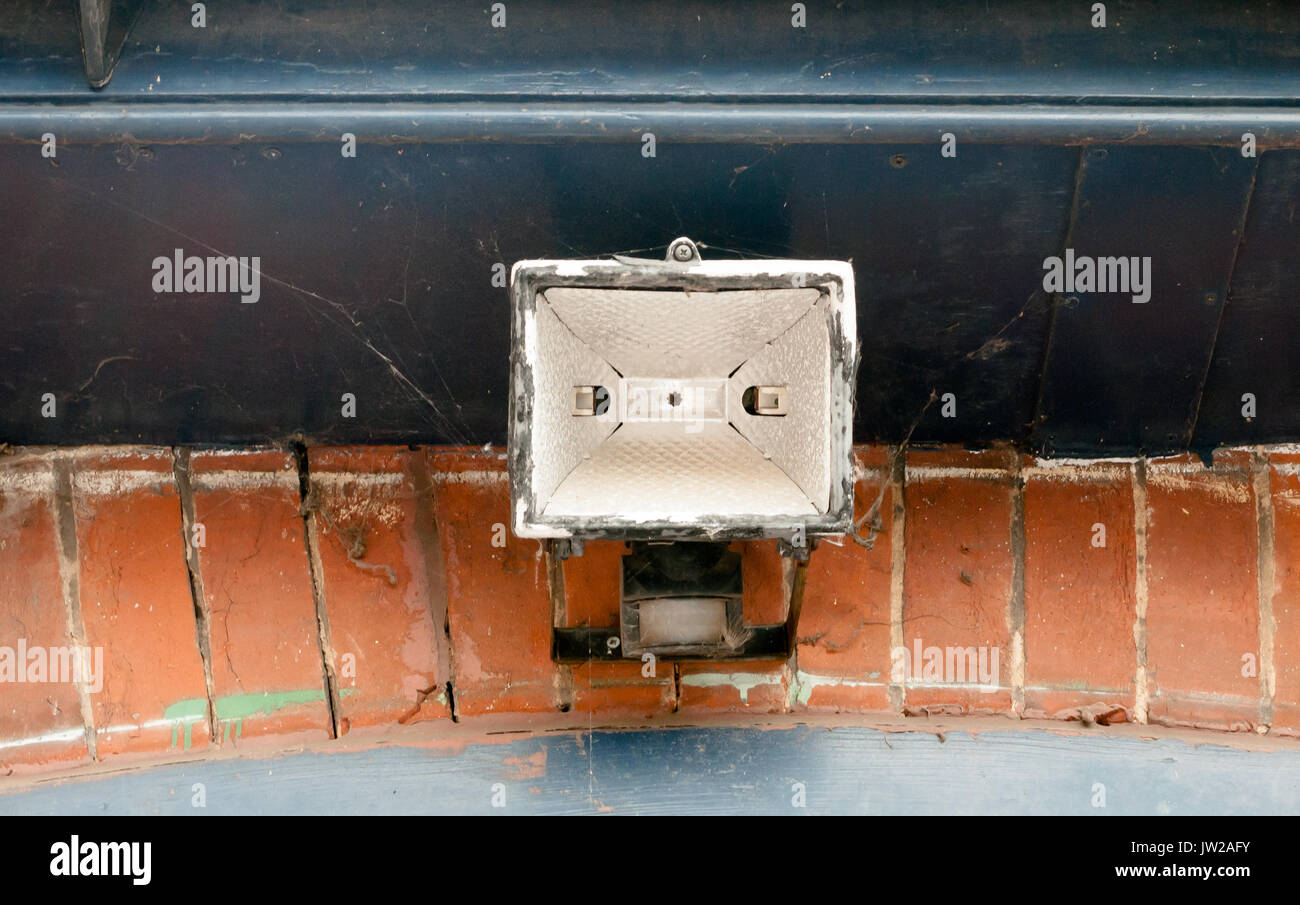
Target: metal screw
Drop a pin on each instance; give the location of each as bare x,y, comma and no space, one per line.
682,250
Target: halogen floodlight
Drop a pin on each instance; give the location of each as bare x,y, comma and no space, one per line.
675,401
682,399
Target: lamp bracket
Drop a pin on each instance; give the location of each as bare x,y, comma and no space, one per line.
716,576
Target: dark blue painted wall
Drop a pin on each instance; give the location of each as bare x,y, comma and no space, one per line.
482,146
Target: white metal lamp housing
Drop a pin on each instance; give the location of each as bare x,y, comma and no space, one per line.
682,399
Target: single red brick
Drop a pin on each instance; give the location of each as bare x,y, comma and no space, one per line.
40,722
871,457
266,660
591,585
1226,459
379,566
1080,592
758,686
957,582
623,690
951,461
1285,479
844,629
609,691
136,603
498,595
1202,622
766,595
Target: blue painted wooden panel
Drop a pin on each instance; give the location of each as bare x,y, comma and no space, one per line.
715,771
1258,349
1150,50
377,276
1124,376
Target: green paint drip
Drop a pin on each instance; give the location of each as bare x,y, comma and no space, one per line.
803,683
238,706
233,709
186,713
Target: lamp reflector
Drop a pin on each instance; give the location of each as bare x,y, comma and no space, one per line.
727,389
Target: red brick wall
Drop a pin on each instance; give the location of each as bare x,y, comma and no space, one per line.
394,594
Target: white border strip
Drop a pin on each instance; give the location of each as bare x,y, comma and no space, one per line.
72,735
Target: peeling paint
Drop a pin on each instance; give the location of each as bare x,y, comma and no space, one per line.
1222,489
344,478
1077,472
942,472
230,479
114,483
530,767
37,482
472,477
